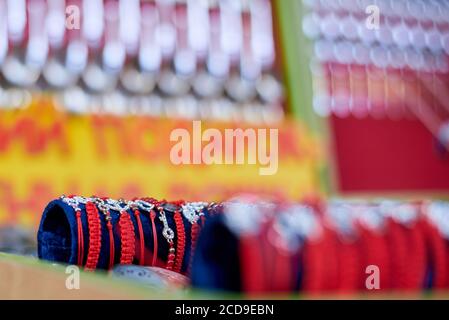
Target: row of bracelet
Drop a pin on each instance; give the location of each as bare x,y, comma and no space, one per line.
191,211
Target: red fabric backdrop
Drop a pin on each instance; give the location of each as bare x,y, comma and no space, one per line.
387,155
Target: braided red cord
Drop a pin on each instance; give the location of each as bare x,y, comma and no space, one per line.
155,245
127,238
94,224
111,245
181,241
141,238
80,237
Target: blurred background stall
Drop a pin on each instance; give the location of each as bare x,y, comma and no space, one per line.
90,91
380,78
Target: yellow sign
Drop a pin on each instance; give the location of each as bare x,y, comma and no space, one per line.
45,153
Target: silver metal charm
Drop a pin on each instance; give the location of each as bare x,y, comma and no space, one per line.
167,232
193,210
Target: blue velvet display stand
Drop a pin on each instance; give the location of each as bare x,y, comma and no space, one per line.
58,238
216,264
217,261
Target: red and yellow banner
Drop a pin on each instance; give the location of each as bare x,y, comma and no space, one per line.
45,153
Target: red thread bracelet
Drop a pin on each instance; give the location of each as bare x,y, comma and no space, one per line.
153,215
398,254
331,261
251,265
348,265
417,259
155,244
280,272
111,244
80,237
141,237
171,256
127,238
181,241
374,251
168,234
108,218
314,254
94,225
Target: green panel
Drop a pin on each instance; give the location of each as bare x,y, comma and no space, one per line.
296,57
